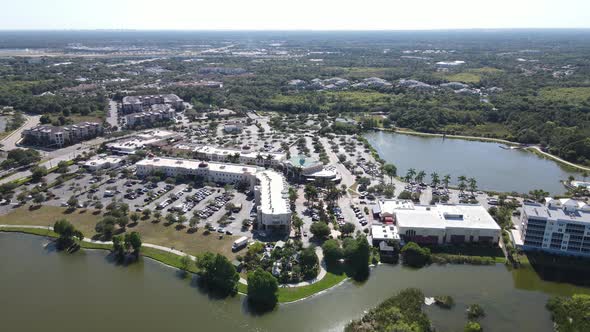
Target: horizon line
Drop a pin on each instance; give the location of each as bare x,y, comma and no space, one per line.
285,30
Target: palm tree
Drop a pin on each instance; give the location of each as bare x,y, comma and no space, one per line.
447,180
462,179
297,223
435,179
410,174
472,185
310,192
390,170
420,176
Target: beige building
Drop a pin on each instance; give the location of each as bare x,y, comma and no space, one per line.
60,136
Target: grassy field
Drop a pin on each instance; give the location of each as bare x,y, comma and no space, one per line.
571,95
470,75
154,233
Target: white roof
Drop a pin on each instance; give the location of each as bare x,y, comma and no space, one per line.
102,161
194,164
274,193
444,216
389,206
384,232
211,150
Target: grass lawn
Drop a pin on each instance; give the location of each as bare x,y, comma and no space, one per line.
470,76
154,233
290,294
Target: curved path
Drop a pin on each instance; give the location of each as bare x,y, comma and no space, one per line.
318,251
556,158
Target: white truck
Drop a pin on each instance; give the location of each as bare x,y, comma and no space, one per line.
239,243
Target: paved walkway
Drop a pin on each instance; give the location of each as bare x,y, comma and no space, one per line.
89,240
318,251
548,155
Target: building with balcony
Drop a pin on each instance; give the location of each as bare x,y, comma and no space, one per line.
559,226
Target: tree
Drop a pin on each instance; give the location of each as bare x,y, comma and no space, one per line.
146,213
357,253
119,247
123,221
472,185
462,179
157,215
133,241
538,194
414,255
185,263
310,192
68,234
435,180
390,170
332,252
218,273
98,206
446,180
297,223
38,172
320,229
347,229
309,263
410,175
38,198
134,217
262,290
170,218
420,176
62,167
472,327
106,226
72,202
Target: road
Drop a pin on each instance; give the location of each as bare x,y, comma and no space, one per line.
9,142
65,154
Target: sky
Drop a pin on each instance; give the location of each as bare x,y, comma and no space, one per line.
293,14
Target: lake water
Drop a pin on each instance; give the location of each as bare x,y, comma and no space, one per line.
493,168
43,290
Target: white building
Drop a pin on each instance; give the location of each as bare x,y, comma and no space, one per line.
270,188
245,157
272,198
140,140
560,226
104,162
441,223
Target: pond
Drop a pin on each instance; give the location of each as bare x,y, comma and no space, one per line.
41,288
494,168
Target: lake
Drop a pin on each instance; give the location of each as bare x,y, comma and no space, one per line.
43,290
494,168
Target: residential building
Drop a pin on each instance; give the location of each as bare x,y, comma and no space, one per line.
441,223
270,188
133,104
60,136
560,226
157,113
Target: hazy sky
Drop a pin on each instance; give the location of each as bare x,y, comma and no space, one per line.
293,14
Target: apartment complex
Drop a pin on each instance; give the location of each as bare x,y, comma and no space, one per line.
133,104
441,223
60,136
270,188
156,113
560,226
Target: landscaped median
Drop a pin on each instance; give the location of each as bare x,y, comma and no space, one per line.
285,295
